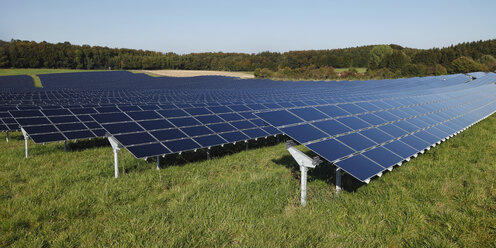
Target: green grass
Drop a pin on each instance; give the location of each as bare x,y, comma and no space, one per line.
146,73
37,81
444,198
359,69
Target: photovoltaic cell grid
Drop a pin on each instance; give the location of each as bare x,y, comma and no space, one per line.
364,140
16,82
241,100
263,94
383,119
225,91
147,130
157,132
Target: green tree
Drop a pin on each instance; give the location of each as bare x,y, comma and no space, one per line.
438,70
377,54
263,73
396,60
412,70
4,58
465,64
489,61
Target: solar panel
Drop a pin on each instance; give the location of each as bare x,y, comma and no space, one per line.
148,150
365,138
156,116
211,140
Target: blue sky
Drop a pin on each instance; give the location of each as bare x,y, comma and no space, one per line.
248,26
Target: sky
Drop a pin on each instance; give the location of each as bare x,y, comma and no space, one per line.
254,26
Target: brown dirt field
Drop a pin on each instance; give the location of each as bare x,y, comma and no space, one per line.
194,73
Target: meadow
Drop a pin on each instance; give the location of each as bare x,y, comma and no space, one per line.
359,69
443,198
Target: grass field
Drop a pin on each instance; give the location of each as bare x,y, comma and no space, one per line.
359,69
444,198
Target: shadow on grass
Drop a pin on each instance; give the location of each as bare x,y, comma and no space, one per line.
14,135
87,144
325,172
71,146
201,154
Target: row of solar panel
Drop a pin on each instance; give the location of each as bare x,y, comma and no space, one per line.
46,130
373,162
116,79
311,91
189,99
361,115
336,139
228,113
179,133
199,109
255,106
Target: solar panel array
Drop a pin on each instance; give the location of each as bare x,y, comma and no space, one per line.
477,74
374,123
17,82
366,138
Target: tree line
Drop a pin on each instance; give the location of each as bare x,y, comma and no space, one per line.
381,61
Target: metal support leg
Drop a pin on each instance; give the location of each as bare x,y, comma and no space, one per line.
208,154
338,180
305,162
303,171
116,147
116,163
26,146
26,139
158,162
65,145
277,139
7,136
246,145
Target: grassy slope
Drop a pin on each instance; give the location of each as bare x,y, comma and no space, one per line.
359,69
446,197
142,72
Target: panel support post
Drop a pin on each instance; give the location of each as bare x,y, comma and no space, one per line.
158,162
115,147
208,153
246,145
65,145
7,136
277,139
303,184
116,163
338,180
305,162
26,139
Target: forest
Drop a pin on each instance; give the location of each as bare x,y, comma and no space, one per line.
381,61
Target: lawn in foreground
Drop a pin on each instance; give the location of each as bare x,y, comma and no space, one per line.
445,197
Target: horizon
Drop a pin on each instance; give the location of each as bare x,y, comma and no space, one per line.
235,27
